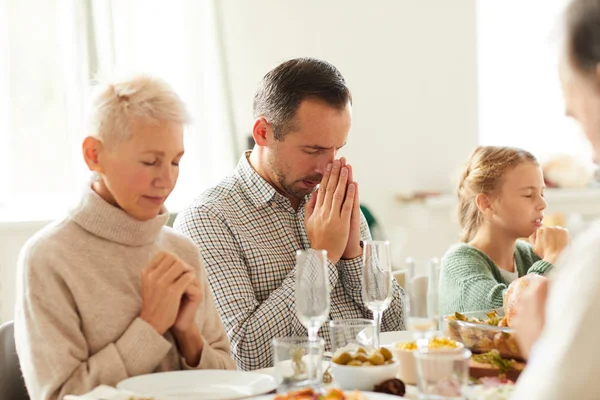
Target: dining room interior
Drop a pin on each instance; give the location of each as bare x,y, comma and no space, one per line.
431,80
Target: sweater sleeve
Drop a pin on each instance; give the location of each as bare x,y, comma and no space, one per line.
536,264
540,267
467,283
52,348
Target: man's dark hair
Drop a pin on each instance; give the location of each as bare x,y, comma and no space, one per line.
283,89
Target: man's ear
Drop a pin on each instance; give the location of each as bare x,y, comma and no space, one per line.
261,130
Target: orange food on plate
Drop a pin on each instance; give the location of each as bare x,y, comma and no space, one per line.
515,292
482,331
311,394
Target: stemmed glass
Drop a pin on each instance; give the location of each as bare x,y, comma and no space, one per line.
377,280
312,290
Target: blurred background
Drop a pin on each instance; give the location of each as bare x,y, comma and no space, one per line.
431,80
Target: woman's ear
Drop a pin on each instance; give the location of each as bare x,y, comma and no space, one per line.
92,148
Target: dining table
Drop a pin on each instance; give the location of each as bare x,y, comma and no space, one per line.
387,339
216,384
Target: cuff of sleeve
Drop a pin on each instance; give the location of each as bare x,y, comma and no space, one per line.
142,348
210,359
540,267
352,270
333,275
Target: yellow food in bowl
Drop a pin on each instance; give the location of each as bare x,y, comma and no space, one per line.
408,346
435,343
404,354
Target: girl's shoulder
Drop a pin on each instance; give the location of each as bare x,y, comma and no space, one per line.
464,253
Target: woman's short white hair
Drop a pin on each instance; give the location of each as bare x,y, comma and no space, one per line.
116,103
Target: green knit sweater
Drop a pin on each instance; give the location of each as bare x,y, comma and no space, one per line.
470,281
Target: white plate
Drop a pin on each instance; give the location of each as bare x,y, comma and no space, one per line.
368,395
389,338
200,384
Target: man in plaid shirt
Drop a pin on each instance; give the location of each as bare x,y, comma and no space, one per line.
249,226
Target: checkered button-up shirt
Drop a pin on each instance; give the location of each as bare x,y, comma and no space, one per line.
248,234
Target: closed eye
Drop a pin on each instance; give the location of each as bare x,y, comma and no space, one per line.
312,152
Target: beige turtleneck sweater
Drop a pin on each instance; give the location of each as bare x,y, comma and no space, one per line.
77,321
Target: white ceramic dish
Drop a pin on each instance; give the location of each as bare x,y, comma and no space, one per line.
362,378
407,365
200,384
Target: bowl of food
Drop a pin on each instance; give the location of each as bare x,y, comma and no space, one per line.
404,354
362,369
483,331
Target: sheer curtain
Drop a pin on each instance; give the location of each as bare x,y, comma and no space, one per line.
4,101
54,50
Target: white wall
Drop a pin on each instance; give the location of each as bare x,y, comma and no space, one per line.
411,66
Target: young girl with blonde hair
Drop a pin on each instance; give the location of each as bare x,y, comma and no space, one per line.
501,199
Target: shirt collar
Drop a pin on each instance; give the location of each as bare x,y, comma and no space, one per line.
259,191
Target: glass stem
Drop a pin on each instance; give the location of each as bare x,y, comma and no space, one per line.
377,317
312,333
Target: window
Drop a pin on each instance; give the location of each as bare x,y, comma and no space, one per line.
53,55
520,99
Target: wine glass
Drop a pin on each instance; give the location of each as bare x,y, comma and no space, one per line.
377,280
312,290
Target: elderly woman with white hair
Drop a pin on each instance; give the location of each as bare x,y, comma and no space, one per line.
109,292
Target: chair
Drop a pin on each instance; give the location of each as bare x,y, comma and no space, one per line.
400,277
419,288
12,385
419,285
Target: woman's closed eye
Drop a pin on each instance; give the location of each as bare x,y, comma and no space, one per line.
159,161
